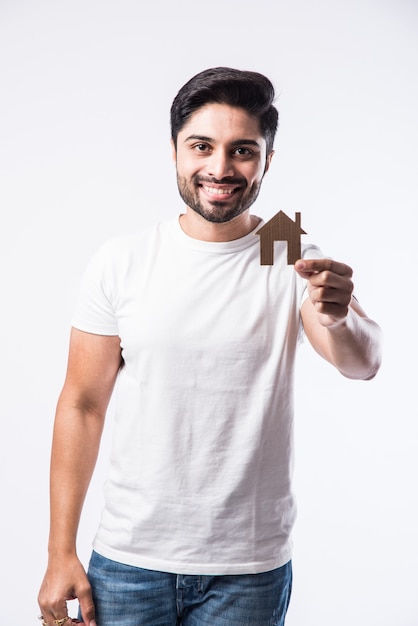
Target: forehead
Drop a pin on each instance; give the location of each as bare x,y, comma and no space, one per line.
222,121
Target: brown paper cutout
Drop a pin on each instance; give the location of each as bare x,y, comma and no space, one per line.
280,228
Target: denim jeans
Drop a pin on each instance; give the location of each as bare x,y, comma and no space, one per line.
132,596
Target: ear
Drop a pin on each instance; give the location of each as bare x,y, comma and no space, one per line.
173,151
268,161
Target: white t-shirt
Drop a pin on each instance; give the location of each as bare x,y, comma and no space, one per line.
200,471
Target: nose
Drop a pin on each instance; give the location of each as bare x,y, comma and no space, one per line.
220,164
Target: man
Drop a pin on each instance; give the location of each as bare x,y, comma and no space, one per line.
201,339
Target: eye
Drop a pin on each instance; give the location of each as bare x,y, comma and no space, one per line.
243,152
201,147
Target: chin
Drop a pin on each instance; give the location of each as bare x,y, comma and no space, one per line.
218,213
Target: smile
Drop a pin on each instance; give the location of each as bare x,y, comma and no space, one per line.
218,191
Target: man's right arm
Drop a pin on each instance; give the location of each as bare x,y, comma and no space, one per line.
93,365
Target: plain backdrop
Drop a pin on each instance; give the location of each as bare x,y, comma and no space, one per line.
85,91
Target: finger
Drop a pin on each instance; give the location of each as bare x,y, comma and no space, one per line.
54,616
330,295
85,600
51,620
332,310
329,281
307,267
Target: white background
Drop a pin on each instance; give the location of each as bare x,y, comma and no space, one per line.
86,88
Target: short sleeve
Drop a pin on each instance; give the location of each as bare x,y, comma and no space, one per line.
94,310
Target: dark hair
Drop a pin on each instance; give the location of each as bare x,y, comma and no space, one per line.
224,85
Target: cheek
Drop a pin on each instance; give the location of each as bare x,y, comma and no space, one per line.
254,176
254,168
186,167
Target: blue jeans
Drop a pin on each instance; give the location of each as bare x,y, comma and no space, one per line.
132,596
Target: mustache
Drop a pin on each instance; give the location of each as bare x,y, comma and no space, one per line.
226,180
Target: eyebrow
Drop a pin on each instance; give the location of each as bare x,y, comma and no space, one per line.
236,142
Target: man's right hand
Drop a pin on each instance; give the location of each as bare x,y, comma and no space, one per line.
65,580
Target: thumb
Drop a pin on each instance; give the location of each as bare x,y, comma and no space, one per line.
87,610
302,269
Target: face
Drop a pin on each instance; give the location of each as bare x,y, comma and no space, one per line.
221,160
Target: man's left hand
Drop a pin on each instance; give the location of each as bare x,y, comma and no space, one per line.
330,288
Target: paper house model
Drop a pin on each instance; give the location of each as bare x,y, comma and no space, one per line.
280,228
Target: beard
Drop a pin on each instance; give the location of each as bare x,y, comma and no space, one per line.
216,211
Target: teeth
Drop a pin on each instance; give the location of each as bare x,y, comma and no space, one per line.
217,191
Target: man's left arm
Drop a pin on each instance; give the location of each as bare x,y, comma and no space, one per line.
334,322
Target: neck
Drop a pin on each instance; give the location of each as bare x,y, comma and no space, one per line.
196,226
